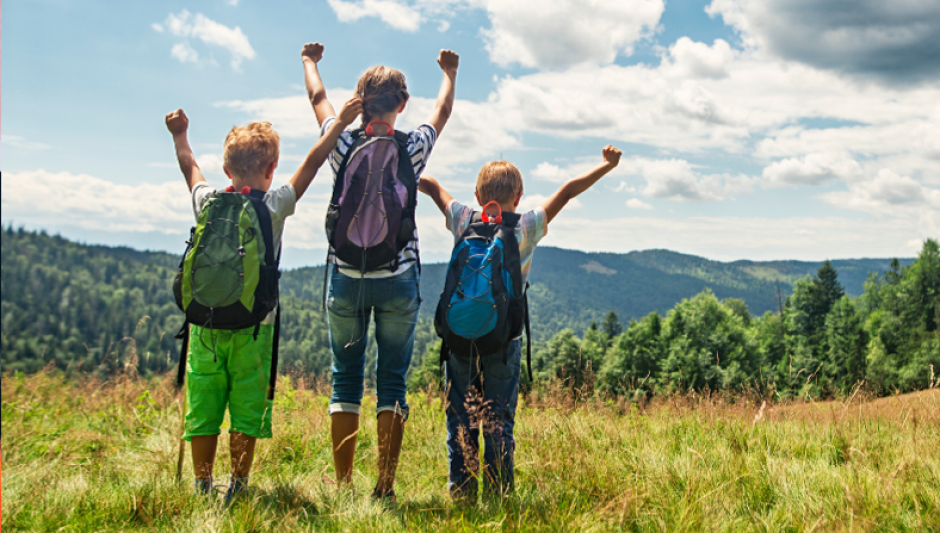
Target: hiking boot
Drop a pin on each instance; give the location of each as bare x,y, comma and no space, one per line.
236,487
203,487
383,496
463,496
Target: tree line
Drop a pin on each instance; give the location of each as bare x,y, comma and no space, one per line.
821,342
97,309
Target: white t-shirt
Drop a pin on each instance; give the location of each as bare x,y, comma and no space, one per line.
280,201
530,229
420,143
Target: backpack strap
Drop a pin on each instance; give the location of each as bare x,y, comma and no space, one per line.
184,348
357,134
267,228
272,383
445,352
401,139
326,277
528,331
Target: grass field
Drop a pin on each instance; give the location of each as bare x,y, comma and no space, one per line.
93,456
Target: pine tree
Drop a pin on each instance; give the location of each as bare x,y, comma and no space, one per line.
612,326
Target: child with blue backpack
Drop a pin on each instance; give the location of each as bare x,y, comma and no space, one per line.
482,312
228,288
373,261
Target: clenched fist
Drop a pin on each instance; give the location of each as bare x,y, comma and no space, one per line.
177,122
313,51
448,60
611,155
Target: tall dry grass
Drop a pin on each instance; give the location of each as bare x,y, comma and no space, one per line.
93,455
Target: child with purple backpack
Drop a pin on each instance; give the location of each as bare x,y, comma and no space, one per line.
373,261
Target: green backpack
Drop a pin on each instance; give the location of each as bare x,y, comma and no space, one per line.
228,277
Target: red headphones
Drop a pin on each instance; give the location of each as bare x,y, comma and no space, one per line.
498,219
246,190
370,132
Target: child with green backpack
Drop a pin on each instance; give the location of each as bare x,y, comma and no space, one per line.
227,286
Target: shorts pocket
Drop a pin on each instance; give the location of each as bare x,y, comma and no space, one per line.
206,370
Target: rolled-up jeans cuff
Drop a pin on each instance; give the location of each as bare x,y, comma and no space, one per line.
397,409
342,407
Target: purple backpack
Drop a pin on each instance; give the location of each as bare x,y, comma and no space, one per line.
371,216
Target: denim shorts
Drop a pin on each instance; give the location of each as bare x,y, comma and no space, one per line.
351,303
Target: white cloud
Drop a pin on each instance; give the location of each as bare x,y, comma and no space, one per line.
211,164
531,201
395,14
756,238
886,193
531,33
41,198
636,203
562,33
208,31
690,59
812,169
184,53
554,173
669,179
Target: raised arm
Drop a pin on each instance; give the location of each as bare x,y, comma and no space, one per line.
321,150
445,97
178,123
311,54
432,188
578,185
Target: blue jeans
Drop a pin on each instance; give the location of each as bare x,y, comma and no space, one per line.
482,391
351,302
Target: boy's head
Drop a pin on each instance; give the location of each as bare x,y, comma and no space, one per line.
251,154
499,181
382,90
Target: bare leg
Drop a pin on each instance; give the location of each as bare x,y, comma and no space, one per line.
203,450
391,429
344,428
243,453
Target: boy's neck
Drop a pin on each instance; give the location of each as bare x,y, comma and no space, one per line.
506,208
255,182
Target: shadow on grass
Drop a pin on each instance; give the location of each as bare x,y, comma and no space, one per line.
488,509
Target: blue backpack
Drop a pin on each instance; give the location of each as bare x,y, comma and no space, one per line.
483,306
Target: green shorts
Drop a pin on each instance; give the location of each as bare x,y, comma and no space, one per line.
228,369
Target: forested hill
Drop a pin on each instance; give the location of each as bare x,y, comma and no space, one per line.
80,305
571,289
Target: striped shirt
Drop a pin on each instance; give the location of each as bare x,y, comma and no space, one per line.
420,143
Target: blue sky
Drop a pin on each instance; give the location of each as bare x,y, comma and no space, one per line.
759,130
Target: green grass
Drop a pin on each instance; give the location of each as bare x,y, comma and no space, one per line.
92,456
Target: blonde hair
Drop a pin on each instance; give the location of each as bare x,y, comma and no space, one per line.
382,89
499,181
250,149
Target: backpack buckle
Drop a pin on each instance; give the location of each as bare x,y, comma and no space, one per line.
498,219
